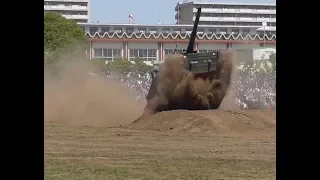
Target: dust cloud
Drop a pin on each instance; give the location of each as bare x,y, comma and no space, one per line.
176,88
74,96
228,102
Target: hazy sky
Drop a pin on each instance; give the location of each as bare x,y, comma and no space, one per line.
145,11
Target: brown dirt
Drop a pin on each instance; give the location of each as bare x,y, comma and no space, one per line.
214,121
229,146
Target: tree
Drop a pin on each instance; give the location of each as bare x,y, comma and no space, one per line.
60,32
123,65
61,35
141,66
272,60
99,64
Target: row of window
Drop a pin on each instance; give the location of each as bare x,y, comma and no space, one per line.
217,23
237,15
112,54
52,3
146,54
107,53
71,12
174,30
216,6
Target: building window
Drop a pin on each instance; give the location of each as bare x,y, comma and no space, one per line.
141,30
93,30
112,53
212,31
118,29
200,31
145,54
129,29
235,31
166,30
97,53
152,53
116,53
170,51
246,31
153,30
177,30
189,30
223,31
105,29
107,54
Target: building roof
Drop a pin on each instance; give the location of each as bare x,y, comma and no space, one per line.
227,3
164,25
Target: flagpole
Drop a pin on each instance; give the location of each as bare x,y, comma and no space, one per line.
134,12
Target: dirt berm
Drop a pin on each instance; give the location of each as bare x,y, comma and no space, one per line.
213,121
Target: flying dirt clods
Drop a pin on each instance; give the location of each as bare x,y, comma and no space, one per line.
177,88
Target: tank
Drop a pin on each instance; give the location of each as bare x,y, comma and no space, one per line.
190,80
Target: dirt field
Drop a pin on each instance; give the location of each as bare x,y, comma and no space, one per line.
171,145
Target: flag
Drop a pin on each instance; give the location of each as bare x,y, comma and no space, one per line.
131,17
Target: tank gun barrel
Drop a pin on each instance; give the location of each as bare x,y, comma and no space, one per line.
194,32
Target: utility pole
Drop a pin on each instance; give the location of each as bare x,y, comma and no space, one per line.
264,24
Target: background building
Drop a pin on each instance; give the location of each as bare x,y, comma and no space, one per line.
228,14
154,42
78,10
222,25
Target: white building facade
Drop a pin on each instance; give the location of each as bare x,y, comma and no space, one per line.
77,10
228,14
154,42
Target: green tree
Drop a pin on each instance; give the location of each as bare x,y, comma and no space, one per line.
121,65
60,32
141,66
61,35
272,60
99,64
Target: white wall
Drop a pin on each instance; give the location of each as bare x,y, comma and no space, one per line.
212,46
245,46
173,46
143,45
105,45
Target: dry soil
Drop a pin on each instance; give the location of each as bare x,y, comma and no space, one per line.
170,145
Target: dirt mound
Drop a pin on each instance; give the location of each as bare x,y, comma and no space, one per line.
213,121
